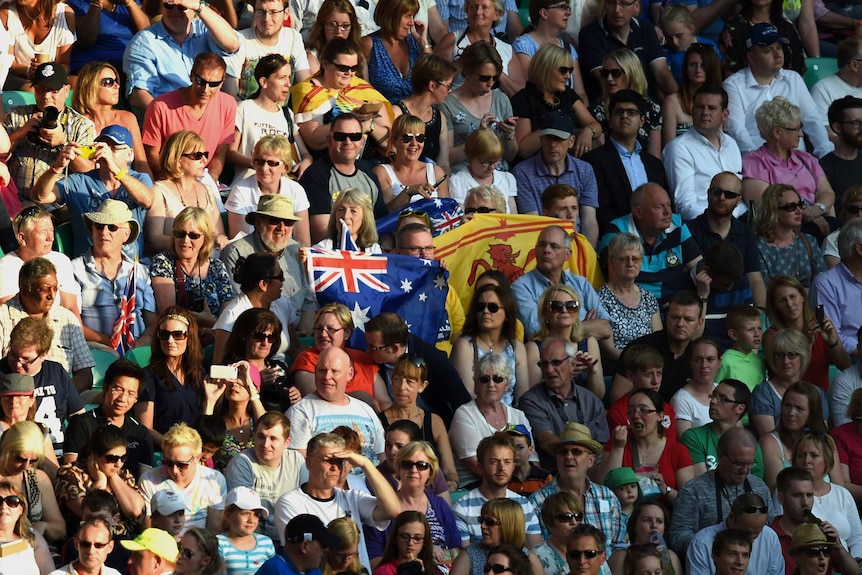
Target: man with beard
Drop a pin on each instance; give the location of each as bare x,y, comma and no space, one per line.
273,223
201,108
843,167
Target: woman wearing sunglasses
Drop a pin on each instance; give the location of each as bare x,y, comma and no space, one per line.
101,466
199,554
96,94
409,177
783,247
483,150
182,161
558,317
21,453
787,307
409,379
647,519
487,414
503,523
780,161
36,558
490,327
561,512
187,275
409,541
622,70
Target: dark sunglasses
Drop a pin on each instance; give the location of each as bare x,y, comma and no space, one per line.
496,568
88,544
177,334
854,209
24,460
174,7
824,551
566,70
615,73
181,465
792,206
279,277
552,362
111,227
275,221
211,83
11,501
728,194
342,136
480,210
559,306
197,155
576,554
186,553
407,138
114,458
752,509
484,78
406,465
181,235
109,82
569,517
344,68
490,306
489,521
270,163
261,336
486,379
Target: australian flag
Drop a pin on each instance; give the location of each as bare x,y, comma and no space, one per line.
445,214
122,334
414,288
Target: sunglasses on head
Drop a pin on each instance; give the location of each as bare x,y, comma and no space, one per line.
181,235
342,136
114,458
261,336
177,334
270,163
109,82
419,465
485,78
490,306
197,155
12,501
489,521
566,70
416,360
486,379
111,227
728,194
569,517
407,138
793,206
559,306
211,83
496,568
480,210
181,465
576,554
345,69
615,73
824,551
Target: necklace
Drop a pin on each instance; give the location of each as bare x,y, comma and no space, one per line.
488,344
182,197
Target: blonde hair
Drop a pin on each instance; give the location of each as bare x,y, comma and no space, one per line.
367,234
484,145
176,145
577,332
84,96
199,218
769,201
414,447
22,528
180,435
775,114
512,522
789,341
632,68
489,194
347,532
276,145
405,124
545,62
21,437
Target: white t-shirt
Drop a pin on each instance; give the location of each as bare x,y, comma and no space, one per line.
281,307
462,182
207,489
11,264
240,66
245,194
690,409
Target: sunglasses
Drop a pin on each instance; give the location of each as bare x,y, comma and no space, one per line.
28,213
566,70
181,465
615,73
345,69
752,509
177,334
279,277
186,553
490,306
489,521
377,347
416,360
552,362
111,227
88,544
407,138
273,221
174,7
569,517
114,458
109,82
792,206
343,136
211,83
496,568
197,155
270,163
559,306
11,501
480,210
407,465
24,460
728,194
261,336
824,551
484,78
181,235
576,554
486,379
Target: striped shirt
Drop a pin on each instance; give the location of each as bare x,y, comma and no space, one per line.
242,562
469,507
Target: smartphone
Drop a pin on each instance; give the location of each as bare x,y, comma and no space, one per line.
87,152
223,372
821,315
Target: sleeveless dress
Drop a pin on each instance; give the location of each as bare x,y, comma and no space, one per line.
509,353
24,49
398,187
33,496
427,431
432,132
383,74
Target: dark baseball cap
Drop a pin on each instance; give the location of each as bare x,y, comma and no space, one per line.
50,75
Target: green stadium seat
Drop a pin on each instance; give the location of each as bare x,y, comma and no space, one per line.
819,68
17,98
140,355
103,359
63,239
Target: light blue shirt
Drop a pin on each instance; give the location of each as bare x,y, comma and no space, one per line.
530,286
453,10
156,63
633,164
766,556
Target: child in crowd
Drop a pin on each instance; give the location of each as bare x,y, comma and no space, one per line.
742,362
528,476
678,27
644,366
213,431
484,151
169,512
624,483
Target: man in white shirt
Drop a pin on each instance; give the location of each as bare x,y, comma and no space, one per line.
763,80
94,543
846,82
694,158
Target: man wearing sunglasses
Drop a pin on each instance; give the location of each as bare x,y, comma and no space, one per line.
338,169
694,158
83,192
201,107
747,514
156,60
585,550
94,543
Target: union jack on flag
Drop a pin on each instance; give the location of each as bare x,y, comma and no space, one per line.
122,334
414,288
445,214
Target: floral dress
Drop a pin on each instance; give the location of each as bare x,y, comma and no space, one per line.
216,287
73,482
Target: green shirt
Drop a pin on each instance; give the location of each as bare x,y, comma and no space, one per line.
702,444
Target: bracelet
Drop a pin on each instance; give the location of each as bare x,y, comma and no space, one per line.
593,130
427,46
56,171
254,397
371,127
121,174
201,6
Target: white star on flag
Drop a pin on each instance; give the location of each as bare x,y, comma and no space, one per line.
406,286
440,282
423,296
360,316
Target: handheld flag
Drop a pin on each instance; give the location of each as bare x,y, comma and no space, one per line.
122,334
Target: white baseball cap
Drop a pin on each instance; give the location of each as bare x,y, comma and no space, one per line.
246,499
168,502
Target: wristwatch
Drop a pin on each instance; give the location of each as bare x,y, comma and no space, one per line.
667,489
822,206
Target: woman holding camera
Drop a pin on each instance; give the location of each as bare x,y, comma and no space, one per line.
187,275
